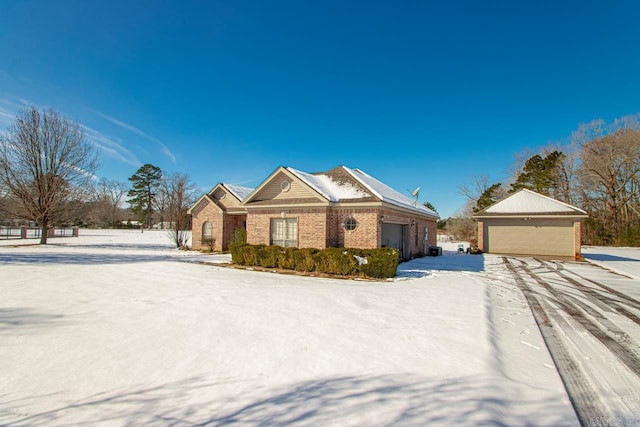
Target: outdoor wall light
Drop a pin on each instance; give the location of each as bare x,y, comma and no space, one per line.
381,219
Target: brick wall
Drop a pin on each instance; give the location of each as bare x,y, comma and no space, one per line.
323,227
577,242
231,223
415,228
206,211
312,226
366,234
480,228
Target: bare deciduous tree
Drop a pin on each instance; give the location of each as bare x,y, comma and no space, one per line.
479,184
45,164
178,193
610,179
106,199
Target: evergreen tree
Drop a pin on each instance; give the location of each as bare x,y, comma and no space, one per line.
428,205
143,194
540,174
487,198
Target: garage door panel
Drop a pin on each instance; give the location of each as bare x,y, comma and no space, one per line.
536,237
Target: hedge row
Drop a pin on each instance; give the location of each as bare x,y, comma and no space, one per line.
378,263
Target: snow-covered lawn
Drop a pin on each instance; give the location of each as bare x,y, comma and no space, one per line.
119,328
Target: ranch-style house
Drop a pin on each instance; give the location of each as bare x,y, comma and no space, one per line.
342,207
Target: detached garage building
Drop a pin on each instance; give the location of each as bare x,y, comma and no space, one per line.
528,223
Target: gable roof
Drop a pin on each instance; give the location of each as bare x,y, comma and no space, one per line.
238,191
331,189
527,202
338,185
312,196
388,194
205,198
361,186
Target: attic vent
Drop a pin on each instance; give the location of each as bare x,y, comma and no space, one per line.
285,186
221,195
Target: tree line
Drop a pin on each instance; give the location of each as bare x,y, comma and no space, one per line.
47,176
598,170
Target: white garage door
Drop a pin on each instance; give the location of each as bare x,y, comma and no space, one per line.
531,237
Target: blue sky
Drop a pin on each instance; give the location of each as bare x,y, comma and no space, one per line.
415,93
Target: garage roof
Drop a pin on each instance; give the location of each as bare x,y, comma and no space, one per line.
527,202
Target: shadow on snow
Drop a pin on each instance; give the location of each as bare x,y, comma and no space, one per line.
449,261
20,317
608,257
377,400
78,259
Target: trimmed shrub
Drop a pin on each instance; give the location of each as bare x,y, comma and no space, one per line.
268,256
336,261
239,237
381,263
238,241
286,258
377,263
237,256
246,254
304,259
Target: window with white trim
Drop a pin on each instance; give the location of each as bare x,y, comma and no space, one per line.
206,231
284,232
350,224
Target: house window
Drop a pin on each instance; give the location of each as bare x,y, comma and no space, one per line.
284,232
206,231
350,224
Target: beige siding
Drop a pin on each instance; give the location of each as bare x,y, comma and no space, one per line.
273,189
529,237
226,199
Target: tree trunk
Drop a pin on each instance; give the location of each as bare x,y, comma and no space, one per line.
44,232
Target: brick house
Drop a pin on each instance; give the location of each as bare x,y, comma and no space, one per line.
528,223
217,215
342,207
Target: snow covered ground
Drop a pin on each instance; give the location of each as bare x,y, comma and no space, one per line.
119,328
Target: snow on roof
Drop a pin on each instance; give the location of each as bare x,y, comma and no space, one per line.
332,190
335,191
388,194
240,192
530,202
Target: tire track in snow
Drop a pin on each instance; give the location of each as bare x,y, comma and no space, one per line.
629,301
616,344
586,403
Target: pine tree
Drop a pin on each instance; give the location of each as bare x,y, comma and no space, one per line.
143,194
487,198
428,205
540,174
